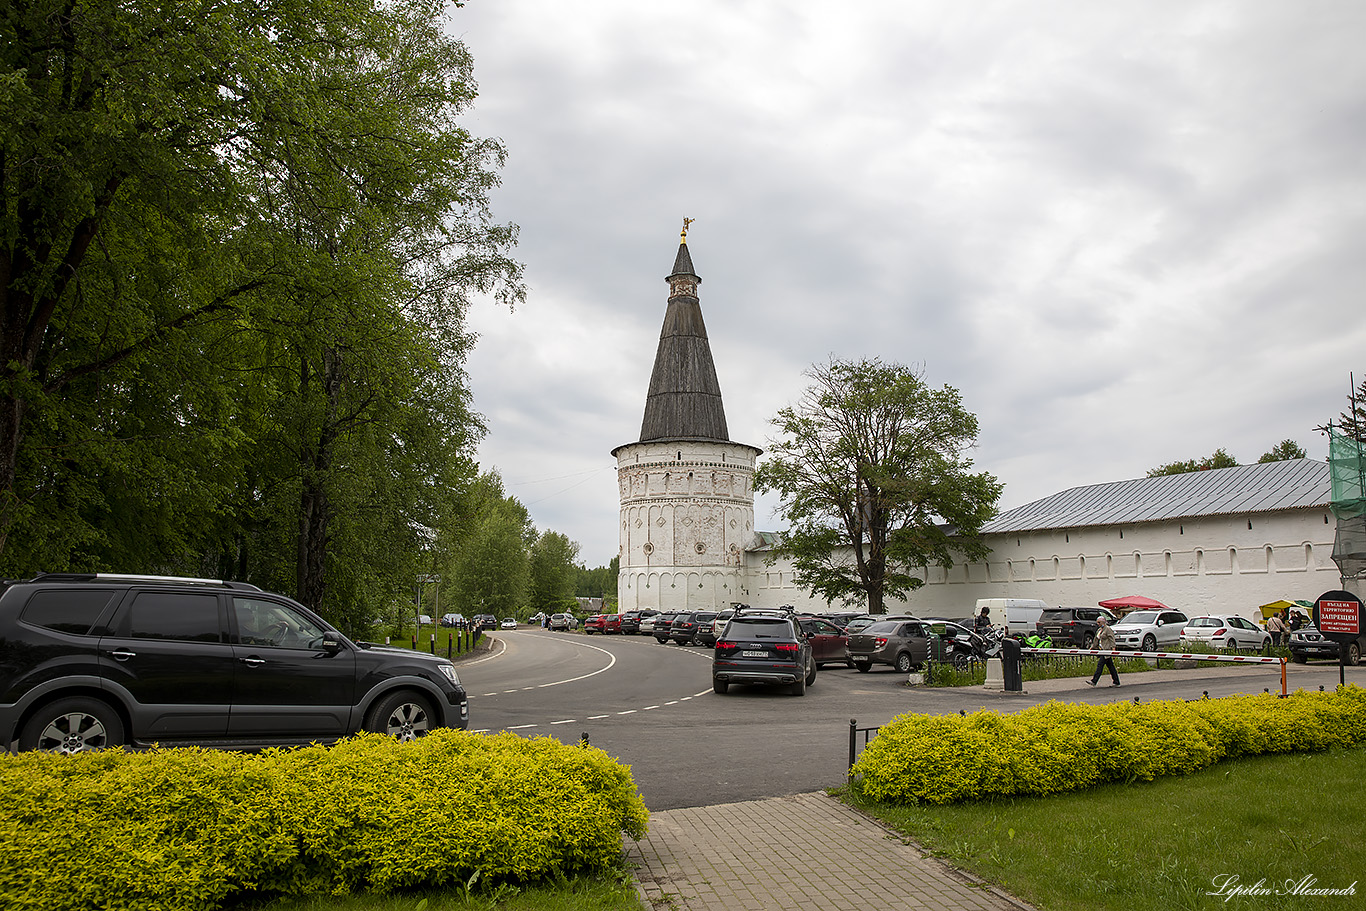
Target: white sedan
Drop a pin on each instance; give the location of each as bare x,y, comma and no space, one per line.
509,623
1149,630
1226,631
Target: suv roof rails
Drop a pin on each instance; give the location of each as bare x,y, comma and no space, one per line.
133,577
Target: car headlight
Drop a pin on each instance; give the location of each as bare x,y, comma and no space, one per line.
449,671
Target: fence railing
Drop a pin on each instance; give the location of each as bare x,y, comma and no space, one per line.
854,731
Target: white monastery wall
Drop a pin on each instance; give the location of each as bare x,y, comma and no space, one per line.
1201,565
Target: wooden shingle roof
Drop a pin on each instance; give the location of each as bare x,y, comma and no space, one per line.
684,401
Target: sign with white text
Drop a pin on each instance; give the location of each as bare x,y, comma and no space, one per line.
1338,615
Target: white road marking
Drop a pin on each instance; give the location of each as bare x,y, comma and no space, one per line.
611,662
502,647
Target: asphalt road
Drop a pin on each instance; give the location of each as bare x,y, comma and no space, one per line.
651,706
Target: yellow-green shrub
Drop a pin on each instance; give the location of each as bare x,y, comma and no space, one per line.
188,828
1060,747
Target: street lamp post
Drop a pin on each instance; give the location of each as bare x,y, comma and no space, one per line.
421,581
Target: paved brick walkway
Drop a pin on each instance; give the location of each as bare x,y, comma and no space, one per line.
808,852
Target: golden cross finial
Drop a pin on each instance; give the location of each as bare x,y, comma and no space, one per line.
683,238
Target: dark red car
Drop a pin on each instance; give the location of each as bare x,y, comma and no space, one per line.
829,643
602,623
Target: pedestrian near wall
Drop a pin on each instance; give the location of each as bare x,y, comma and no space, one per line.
1105,641
1276,627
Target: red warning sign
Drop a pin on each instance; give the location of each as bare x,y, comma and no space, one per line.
1339,615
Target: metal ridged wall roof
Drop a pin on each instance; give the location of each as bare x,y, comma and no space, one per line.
1291,484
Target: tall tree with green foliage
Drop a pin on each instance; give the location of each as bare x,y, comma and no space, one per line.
598,582
552,572
490,568
871,470
1282,451
237,241
1353,421
1220,459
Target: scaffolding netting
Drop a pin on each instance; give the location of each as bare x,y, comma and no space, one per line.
1347,469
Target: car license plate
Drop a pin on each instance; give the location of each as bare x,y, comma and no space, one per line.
753,654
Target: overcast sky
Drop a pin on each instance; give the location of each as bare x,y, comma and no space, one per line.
1128,232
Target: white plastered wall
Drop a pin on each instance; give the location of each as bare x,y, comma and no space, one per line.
1208,564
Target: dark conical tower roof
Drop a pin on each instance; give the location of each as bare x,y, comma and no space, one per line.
684,402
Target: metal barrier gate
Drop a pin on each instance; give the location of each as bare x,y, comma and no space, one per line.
1176,656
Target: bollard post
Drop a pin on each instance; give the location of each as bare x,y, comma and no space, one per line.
448,648
583,740
853,731
431,644
414,641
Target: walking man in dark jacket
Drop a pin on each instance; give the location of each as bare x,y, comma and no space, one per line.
1105,642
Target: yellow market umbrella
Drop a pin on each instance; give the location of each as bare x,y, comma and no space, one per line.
1275,607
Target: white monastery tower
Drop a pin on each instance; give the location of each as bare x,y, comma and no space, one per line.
687,493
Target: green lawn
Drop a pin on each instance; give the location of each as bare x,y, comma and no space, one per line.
1153,846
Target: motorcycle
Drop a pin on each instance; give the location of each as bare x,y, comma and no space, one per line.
991,639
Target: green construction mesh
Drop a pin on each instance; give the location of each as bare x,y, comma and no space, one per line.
1349,546
1347,468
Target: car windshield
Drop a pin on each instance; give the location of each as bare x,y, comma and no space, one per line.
759,628
1139,618
1206,621
883,628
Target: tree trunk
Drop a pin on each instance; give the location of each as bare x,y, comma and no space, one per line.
11,425
315,509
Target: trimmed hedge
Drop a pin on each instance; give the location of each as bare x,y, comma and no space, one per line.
189,828
1059,747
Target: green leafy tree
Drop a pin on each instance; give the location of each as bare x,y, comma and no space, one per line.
236,247
1220,459
1285,449
1353,420
491,572
598,582
552,572
873,482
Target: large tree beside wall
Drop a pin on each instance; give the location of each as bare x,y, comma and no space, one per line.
237,244
871,470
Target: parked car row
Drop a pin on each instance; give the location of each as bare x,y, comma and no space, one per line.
906,644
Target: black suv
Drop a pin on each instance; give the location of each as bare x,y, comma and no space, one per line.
763,648
686,628
90,661
1071,626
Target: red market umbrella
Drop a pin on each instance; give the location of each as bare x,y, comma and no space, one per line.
1132,602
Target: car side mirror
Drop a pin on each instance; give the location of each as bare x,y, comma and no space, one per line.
332,641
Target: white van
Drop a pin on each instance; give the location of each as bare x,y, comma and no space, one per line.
1017,614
